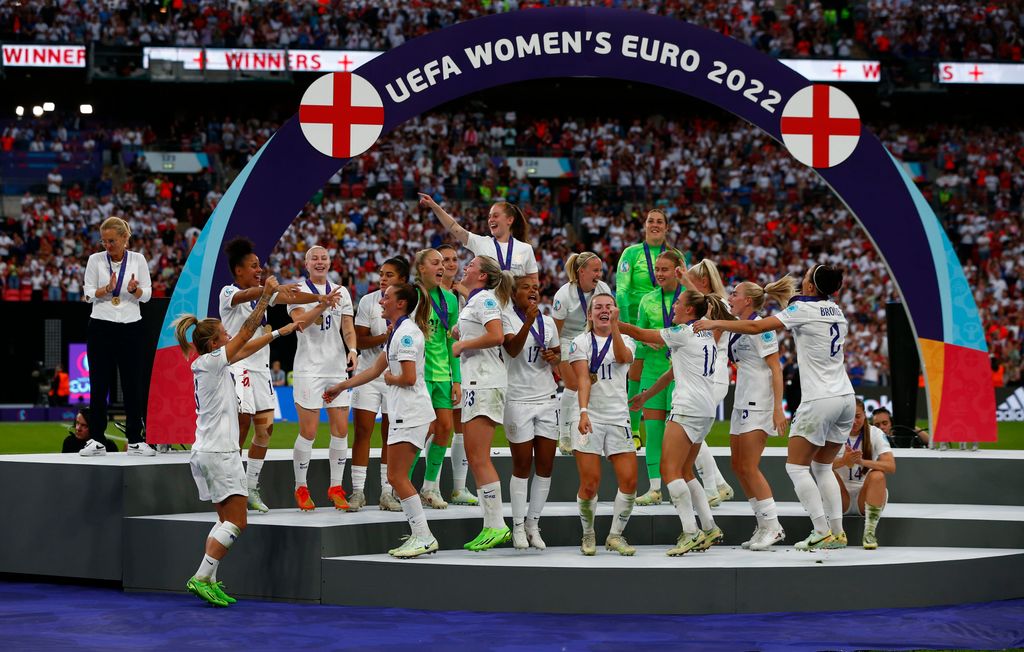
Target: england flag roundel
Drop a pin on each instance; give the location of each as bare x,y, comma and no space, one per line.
820,126
341,115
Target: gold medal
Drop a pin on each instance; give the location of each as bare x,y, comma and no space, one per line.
593,378
268,329
116,301
320,320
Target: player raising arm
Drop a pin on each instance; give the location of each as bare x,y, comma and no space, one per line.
216,465
826,413
402,363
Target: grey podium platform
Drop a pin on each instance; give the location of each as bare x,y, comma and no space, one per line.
88,499
722,580
290,555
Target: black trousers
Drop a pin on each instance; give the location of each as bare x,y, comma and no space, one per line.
114,347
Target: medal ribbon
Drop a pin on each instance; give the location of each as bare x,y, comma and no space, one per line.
668,315
120,274
595,359
504,264
442,310
538,337
394,330
650,263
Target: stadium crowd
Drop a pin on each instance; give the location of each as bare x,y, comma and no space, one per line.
733,195
804,28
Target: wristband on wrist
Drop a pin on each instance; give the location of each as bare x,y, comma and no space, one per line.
584,410
275,334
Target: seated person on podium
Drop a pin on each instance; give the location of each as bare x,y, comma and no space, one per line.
898,436
861,469
79,434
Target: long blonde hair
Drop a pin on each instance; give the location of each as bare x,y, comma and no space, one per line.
577,262
499,281
422,317
780,291
707,270
206,331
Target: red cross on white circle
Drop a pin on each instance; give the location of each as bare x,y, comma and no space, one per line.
820,126
341,115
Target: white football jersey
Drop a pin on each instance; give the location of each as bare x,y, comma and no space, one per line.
529,376
753,377
481,368
216,403
608,400
523,259
320,350
695,363
722,370
567,307
370,314
408,406
233,317
854,475
819,329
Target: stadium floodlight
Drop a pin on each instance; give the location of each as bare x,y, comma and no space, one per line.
49,106
85,109
37,110
19,111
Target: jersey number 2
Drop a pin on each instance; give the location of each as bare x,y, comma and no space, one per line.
835,346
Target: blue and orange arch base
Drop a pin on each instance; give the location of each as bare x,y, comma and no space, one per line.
625,45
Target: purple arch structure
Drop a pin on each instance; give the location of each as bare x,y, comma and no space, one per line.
611,44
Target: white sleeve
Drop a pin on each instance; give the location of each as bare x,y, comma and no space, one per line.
92,278
629,342
363,312
478,244
794,315
558,309
531,261
346,302
879,443
766,343
489,310
676,336
551,339
410,347
144,281
225,300
580,348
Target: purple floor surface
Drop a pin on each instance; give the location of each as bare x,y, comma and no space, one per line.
43,616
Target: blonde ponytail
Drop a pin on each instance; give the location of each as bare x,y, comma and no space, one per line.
575,263
501,282
206,331
707,270
780,291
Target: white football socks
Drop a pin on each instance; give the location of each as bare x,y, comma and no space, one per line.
301,454
679,493
460,463
517,490
490,500
621,510
588,509
700,504
810,497
831,496
538,497
413,509
338,456
358,478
